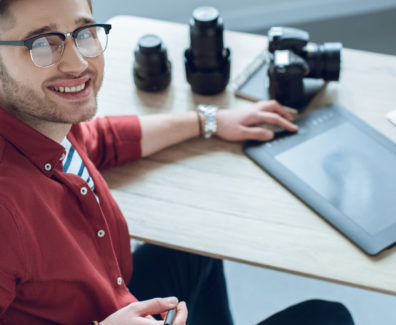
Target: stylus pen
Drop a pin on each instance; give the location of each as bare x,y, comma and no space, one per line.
170,316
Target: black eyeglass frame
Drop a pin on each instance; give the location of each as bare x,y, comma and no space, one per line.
29,42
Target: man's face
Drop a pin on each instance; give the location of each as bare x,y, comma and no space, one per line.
34,93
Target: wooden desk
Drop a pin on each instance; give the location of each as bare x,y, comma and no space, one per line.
207,197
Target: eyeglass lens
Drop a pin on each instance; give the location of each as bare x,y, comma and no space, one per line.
48,50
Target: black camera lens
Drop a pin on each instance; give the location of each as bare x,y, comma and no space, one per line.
206,34
207,62
324,60
151,69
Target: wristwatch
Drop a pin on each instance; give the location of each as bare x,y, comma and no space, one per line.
210,124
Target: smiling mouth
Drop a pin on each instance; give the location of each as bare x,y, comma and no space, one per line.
74,89
77,91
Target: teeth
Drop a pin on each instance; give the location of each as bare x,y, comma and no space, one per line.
70,89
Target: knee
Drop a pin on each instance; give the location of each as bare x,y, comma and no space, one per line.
315,312
328,312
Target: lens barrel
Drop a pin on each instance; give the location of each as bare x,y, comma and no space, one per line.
151,69
324,60
207,62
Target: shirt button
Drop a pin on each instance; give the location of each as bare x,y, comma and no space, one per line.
48,167
101,233
119,281
83,190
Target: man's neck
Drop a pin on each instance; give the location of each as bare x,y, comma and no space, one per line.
52,130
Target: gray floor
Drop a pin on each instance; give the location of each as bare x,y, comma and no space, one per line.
255,293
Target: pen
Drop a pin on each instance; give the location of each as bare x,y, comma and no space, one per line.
170,316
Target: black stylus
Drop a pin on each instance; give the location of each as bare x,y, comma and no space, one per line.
170,316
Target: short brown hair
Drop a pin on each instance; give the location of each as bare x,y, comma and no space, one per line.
6,21
5,3
4,6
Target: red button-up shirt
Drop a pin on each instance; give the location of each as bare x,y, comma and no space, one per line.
64,257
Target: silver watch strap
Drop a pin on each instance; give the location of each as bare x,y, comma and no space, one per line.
210,124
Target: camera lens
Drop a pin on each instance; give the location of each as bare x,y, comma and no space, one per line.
206,34
207,61
324,60
152,69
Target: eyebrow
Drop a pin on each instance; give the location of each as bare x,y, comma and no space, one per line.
41,30
53,27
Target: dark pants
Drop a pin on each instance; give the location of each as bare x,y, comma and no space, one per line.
200,282
312,312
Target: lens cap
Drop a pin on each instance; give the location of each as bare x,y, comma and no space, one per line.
206,16
151,69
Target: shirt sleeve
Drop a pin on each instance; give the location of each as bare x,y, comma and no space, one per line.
110,141
12,257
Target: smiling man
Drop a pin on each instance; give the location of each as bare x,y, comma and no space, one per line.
65,256
32,88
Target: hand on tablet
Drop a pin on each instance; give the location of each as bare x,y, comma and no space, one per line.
246,123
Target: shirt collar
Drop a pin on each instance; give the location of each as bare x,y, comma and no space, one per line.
42,151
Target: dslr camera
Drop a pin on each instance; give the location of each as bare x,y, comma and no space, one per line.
293,61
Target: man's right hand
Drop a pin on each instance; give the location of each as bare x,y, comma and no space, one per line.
139,313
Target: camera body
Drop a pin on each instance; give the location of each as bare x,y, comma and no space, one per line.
294,59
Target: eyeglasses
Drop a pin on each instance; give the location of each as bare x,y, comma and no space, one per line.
47,49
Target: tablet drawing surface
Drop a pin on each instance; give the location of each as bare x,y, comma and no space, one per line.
343,169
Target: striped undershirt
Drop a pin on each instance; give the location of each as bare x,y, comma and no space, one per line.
73,164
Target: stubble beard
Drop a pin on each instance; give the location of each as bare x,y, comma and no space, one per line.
23,102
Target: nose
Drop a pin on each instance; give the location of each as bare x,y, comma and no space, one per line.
72,62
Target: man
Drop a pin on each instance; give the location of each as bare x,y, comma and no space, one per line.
65,255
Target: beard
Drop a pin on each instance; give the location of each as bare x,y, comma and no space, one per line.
25,103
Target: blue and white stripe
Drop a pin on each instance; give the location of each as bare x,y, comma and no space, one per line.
73,164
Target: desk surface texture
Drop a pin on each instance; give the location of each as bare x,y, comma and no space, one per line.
207,197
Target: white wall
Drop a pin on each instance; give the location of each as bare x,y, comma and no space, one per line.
243,15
